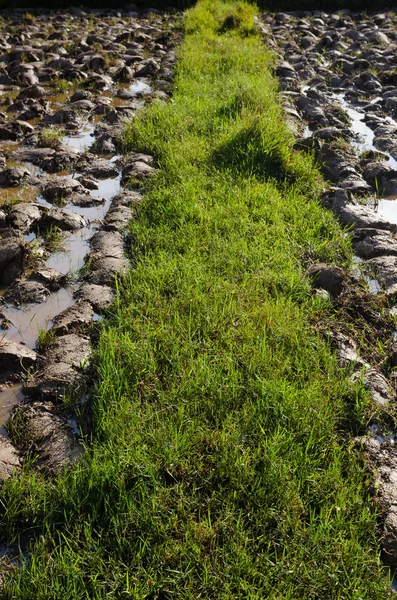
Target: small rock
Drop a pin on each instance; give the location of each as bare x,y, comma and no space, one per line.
85,200
74,318
64,220
12,252
102,169
50,277
99,296
9,459
26,291
384,269
376,384
46,436
89,183
15,358
63,372
58,189
14,176
117,218
347,351
369,243
23,216
326,277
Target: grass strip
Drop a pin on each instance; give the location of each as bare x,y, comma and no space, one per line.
221,464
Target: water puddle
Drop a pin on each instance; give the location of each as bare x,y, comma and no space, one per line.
69,256
70,259
28,320
13,195
115,101
109,187
373,284
82,140
58,99
388,210
364,136
140,87
364,141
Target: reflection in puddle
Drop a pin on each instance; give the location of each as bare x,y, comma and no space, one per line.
27,320
364,140
58,98
12,195
364,135
108,188
388,210
71,257
140,87
373,284
81,141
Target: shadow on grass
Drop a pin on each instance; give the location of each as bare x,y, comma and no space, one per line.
249,153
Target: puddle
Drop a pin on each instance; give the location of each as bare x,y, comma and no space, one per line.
373,284
13,195
140,87
58,98
363,141
29,319
364,136
388,210
82,140
29,237
74,248
74,426
108,187
115,101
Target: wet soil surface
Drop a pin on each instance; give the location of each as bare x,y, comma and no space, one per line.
338,80
68,82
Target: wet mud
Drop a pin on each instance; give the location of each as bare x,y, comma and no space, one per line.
338,82
68,83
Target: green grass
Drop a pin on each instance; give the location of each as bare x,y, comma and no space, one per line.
221,464
51,137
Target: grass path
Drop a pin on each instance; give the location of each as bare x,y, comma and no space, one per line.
221,465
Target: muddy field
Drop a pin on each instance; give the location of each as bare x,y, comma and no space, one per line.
68,81
338,76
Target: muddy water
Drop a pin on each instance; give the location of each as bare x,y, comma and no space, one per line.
345,111
28,320
82,140
53,82
363,141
